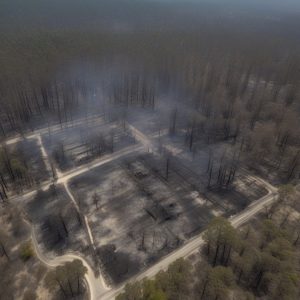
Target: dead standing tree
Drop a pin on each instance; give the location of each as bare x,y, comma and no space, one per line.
173,121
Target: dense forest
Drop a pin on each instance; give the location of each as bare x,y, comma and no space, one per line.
225,82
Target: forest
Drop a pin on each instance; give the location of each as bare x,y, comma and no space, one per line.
220,89
258,261
136,132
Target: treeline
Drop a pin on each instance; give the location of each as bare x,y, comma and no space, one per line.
133,89
221,88
260,260
14,171
254,109
21,167
171,284
34,76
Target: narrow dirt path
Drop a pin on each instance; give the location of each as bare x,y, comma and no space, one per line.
97,286
195,243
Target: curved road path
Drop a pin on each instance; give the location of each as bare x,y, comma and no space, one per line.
96,285
195,243
98,289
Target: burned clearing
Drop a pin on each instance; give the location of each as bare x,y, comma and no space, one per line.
59,228
212,170
136,206
74,146
143,206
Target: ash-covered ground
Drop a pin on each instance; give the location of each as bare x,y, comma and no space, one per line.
59,228
145,205
77,145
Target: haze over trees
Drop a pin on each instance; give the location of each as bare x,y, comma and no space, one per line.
190,104
220,86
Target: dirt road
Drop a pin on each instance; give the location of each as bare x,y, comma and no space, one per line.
97,287
195,243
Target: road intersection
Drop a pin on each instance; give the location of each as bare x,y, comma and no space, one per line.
97,288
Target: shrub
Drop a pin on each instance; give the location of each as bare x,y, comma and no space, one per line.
26,251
